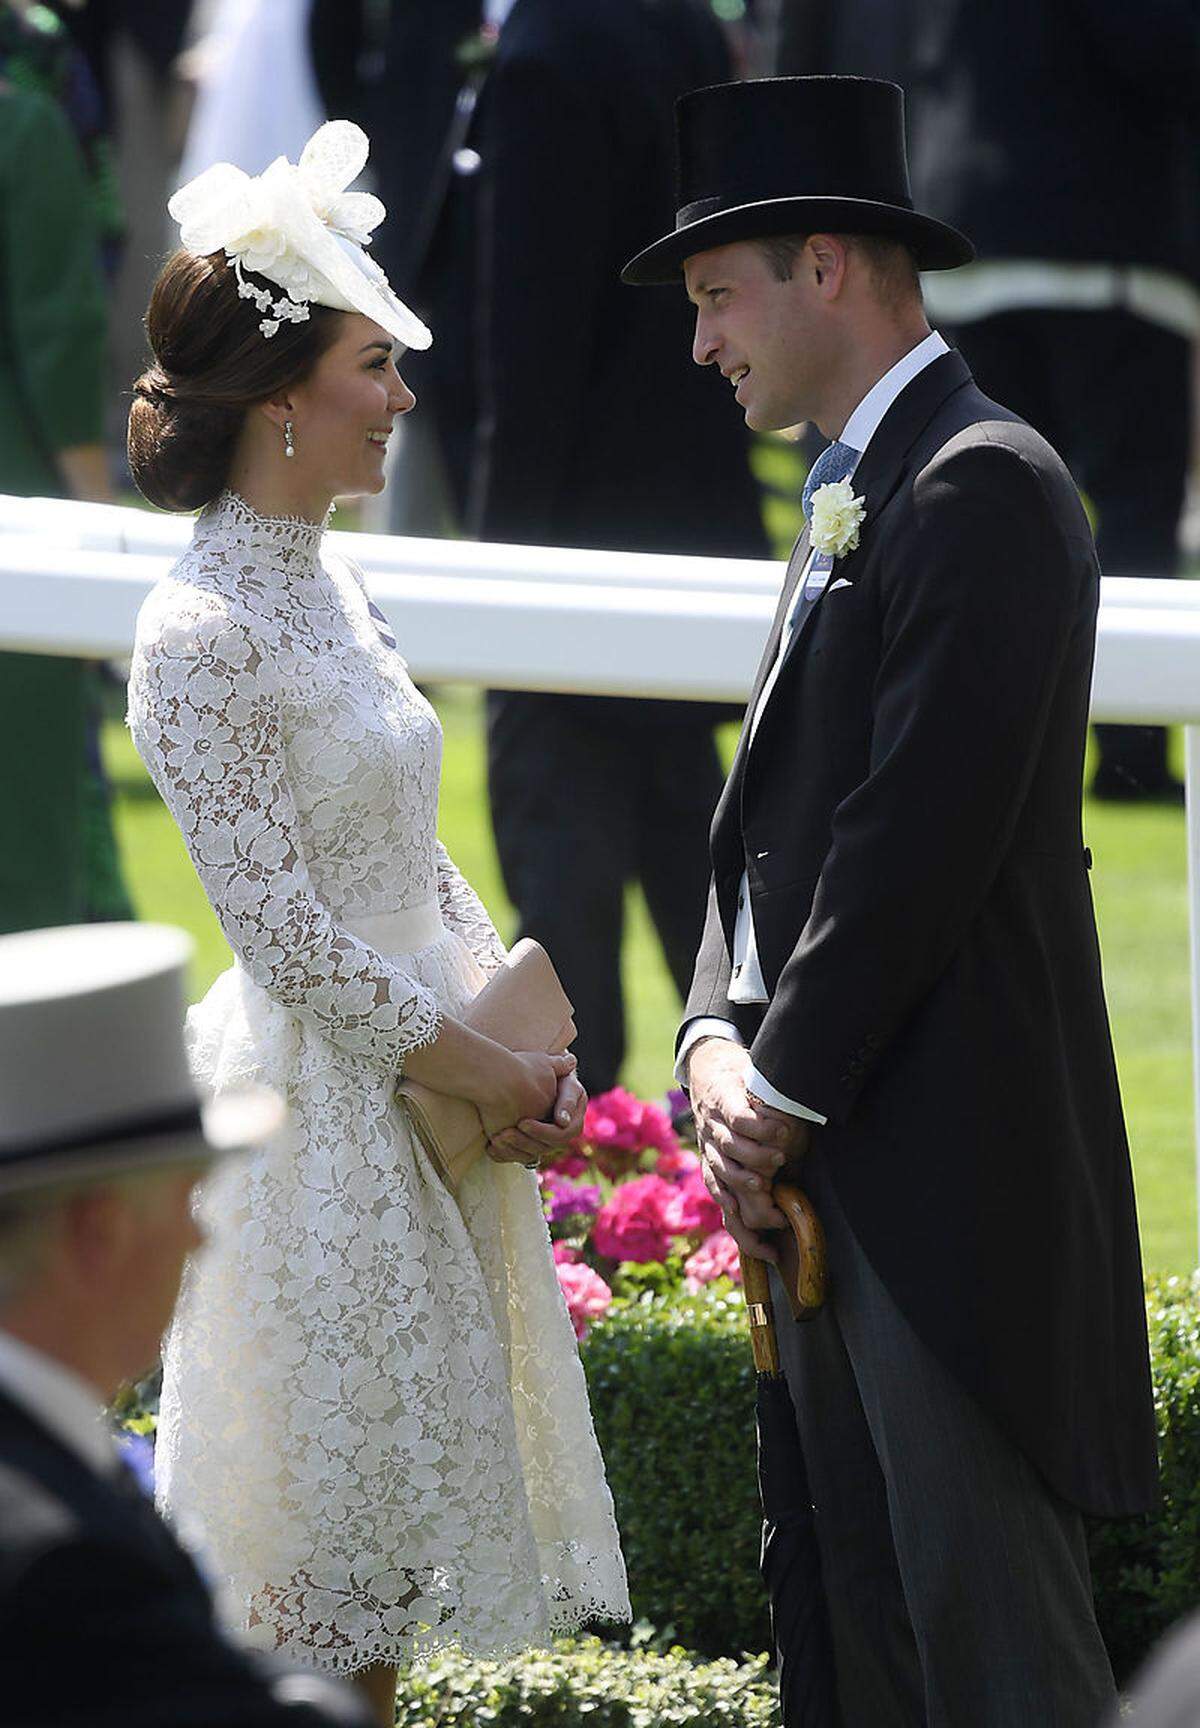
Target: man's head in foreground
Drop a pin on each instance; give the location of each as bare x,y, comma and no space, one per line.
102,1142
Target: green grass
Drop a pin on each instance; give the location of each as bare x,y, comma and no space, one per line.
1140,886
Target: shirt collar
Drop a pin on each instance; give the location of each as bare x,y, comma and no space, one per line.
495,12
61,1401
864,422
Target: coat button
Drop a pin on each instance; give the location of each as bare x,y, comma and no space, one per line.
1087,857
741,902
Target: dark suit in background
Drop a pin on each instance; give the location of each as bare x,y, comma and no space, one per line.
90,1575
1059,135
569,414
863,38
395,69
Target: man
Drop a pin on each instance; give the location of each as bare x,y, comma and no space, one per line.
569,415
900,976
101,1146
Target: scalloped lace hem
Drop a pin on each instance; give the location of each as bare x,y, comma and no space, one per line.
607,1603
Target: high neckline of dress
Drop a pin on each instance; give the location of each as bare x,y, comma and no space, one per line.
292,536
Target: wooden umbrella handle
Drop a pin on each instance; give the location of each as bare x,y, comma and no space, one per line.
801,1251
757,1290
801,1268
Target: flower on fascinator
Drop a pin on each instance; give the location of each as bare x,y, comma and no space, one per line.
297,225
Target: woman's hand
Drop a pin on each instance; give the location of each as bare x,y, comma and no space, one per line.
515,1092
539,1142
518,1087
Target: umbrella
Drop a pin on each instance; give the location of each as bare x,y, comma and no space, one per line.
791,1562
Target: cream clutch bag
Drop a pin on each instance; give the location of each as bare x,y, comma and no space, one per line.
522,1006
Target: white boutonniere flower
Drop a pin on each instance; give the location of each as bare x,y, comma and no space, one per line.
837,515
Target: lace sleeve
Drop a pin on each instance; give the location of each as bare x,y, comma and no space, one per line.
204,713
466,914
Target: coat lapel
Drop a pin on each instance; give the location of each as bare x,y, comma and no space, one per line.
883,466
875,479
730,795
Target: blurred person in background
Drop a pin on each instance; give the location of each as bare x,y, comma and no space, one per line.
1064,139
57,855
594,429
257,96
38,52
102,1142
412,74
569,414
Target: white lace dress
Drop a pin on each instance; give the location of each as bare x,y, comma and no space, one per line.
373,1415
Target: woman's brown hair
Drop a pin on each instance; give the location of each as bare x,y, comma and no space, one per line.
211,363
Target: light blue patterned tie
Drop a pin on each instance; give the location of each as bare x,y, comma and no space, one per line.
836,462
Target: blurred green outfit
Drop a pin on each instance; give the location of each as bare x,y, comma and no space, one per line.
57,857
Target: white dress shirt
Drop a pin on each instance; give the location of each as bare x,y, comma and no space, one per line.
61,1400
747,984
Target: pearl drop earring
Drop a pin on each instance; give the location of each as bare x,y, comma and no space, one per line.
289,442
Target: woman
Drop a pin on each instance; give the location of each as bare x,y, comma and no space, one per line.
372,1402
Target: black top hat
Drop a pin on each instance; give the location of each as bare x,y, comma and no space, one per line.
794,156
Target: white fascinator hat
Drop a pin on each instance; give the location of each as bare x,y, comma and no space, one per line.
297,225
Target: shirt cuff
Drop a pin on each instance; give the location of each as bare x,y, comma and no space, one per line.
708,1026
762,1088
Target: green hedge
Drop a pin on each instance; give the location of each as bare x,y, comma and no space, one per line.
673,1397
586,1682
1147,1570
672,1388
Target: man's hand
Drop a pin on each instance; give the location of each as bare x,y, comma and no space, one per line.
743,1142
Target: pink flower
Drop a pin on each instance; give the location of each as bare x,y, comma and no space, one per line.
632,1225
619,1126
716,1257
587,1295
564,1254
572,1163
676,1163
692,1209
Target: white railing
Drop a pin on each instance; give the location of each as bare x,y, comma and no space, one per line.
72,577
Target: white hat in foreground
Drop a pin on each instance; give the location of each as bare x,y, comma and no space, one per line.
93,1074
297,225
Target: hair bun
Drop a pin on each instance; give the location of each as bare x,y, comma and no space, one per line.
179,447
156,386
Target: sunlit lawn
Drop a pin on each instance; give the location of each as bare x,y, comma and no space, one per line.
1140,885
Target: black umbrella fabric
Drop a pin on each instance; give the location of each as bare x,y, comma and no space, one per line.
791,1562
